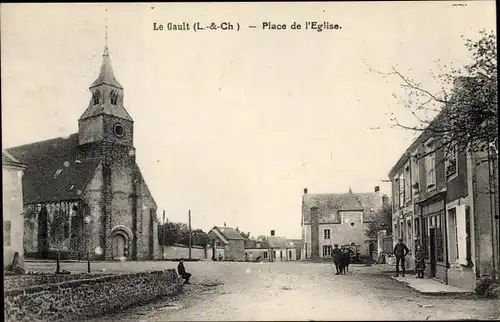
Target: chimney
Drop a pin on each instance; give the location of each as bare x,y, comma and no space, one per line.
314,233
377,188
272,232
224,224
305,191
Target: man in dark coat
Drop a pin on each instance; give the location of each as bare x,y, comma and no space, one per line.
182,272
346,260
400,251
337,258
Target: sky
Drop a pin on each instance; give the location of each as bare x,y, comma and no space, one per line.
233,125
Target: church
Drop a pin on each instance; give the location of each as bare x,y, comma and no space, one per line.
84,194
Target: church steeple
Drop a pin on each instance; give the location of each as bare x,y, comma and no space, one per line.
106,118
106,74
107,93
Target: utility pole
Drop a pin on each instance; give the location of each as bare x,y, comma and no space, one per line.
189,215
163,238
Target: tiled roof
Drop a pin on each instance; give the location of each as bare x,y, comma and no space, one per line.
295,242
264,244
275,241
108,109
230,233
330,204
43,159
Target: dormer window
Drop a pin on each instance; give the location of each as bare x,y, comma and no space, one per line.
114,97
58,172
95,97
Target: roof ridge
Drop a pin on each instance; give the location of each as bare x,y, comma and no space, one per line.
43,141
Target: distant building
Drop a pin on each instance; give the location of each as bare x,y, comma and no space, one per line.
231,240
298,245
13,219
337,218
85,192
280,249
257,250
271,248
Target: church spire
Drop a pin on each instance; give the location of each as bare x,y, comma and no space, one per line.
106,74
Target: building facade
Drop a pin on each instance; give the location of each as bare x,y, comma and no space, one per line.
440,202
84,194
271,249
329,219
231,240
13,216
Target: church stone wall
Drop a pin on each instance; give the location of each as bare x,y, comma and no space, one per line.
90,130
93,200
109,123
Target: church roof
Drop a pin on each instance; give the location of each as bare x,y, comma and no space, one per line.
108,109
42,182
106,74
330,204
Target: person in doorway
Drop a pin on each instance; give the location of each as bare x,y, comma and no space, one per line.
337,258
419,261
182,272
400,251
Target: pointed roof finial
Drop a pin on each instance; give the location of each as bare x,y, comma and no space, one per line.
106,31
106,74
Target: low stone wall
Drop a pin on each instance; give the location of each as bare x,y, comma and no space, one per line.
27,280
77,299
177,252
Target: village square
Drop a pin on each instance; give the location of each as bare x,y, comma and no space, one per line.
96,226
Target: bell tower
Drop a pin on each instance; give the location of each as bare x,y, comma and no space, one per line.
106,132
106,119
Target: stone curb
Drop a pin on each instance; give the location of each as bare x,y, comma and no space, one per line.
438,293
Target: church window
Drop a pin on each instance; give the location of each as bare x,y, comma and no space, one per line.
114,97
58,172
95,97
118,129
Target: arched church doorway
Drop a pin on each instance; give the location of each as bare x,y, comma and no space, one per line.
119,246
121,237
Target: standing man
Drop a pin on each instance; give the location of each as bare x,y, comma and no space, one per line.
400,251
182,272
337,258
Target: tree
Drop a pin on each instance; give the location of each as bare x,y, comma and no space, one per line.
245,235
199,237
178,233
462,117
174,233
381,220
